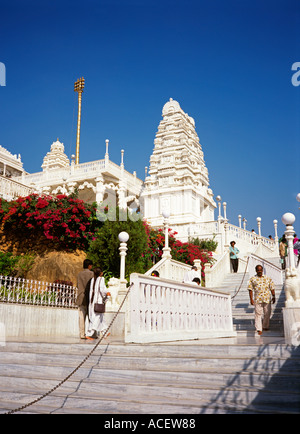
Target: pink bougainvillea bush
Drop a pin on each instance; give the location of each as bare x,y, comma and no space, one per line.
183,252
66,221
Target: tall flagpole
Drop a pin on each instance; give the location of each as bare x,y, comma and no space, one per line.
78,87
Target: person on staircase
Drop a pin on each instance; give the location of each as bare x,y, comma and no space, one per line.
233,252
83,278
283,252
191,274
262,287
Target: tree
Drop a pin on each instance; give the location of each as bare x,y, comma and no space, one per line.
104,250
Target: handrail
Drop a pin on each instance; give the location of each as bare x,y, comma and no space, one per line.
167,310
25,291
266,261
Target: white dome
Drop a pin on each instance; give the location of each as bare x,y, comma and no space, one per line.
57,146
171,106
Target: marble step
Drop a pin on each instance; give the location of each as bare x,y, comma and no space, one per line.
152,364
58,367
114,407
93,394
42,379
193,348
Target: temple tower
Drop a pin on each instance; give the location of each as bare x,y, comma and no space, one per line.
177,180
56,158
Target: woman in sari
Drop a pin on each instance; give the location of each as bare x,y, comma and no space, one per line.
97,293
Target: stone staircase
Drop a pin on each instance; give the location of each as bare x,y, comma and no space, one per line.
243,312
247,374
183,378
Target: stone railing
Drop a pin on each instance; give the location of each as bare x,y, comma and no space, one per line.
36,293
10,189
165,310
214,275
269,269
245,239
170,269
76,173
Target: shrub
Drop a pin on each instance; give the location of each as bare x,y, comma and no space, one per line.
182,252
15,265
207,244
104,250
66,221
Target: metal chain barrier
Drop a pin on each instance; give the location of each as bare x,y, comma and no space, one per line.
242,280
80,364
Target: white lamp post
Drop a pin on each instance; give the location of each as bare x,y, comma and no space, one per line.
240,220
288,219
224,208
218,199
275,229
259,225
123,238
166,249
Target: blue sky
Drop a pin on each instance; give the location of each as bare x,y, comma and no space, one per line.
228,64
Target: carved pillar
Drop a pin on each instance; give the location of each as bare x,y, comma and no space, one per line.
100,189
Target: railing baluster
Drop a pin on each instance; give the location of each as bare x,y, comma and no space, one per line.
38,293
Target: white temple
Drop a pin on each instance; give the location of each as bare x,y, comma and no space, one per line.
176,194
56,158
177,182
178,178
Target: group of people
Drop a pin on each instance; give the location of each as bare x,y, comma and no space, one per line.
283,251
261,291
91,290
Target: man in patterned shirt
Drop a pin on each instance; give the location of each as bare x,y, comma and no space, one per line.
262,287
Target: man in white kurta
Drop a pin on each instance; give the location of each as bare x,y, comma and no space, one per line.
190,275
96,320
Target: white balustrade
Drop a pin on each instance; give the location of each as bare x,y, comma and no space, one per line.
171,269
165,310
76,172
214,274
11,189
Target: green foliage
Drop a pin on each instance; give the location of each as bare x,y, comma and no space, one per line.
7,263
207,244
104,250
24,264
15,265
